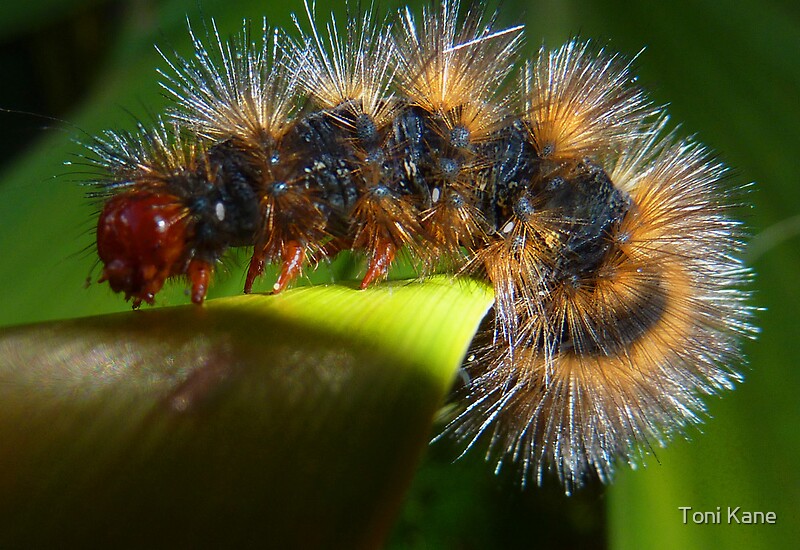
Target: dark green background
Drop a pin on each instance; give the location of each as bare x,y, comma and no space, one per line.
730,72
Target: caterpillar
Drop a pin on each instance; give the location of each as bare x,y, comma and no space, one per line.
620,295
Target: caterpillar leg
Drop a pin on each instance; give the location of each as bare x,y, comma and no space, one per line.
199,273
255,269
293,255
379,263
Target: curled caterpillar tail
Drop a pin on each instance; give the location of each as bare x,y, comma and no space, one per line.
620,295
624,336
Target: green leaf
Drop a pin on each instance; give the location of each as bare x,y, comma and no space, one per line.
295,419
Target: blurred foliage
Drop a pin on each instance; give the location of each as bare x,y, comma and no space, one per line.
730,72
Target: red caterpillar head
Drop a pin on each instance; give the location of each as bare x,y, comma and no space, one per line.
178,211
141,240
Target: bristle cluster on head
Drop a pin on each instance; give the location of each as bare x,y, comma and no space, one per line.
146,158
619,295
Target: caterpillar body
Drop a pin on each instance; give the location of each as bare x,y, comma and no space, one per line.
620,295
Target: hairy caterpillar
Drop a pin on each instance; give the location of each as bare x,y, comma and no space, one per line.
620,297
